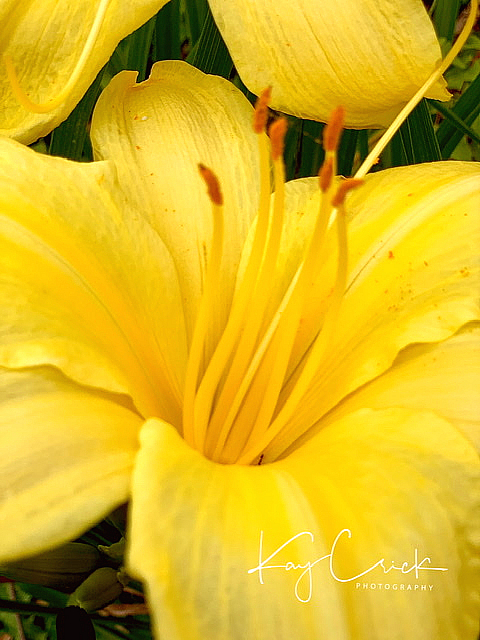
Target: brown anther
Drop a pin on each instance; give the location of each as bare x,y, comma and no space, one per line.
261,110
213,185
325,174
346,186
277,131
333,130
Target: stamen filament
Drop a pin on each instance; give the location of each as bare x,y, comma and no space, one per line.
52,104
290,320
216,367
327,173
371,159
252,369
193,432
219,423
223,418
314,359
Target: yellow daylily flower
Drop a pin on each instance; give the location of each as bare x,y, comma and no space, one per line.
368,55
286,392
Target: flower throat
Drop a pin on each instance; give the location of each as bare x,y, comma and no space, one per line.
237,407
243,399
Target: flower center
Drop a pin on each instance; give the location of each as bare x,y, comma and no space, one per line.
237,407
247,394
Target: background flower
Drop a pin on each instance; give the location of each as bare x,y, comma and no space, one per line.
45,40
370,57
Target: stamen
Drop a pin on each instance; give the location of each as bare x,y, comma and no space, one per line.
314,359
345,186
371,159
229,339
261,111
333,130
222,418
326,174
242,409
213,186
270,377
52,104
277,132
284,339
193,432
250,374
286,436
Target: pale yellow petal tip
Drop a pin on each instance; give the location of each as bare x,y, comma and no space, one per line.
333,130
261,110
213,185
277,131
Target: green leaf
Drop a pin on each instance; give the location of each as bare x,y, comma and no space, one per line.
211,54
195,15
311,150
293,144
167,40
444,18
117,62
346,152
453,118
467,109
70,139
122,629
416,140
102,533
38,592
139,45
362,145
466,66
12,606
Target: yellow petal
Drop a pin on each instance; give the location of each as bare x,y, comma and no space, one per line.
366,55
398,480
67,457
413,237
443,377
45,41
156,133
84,285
